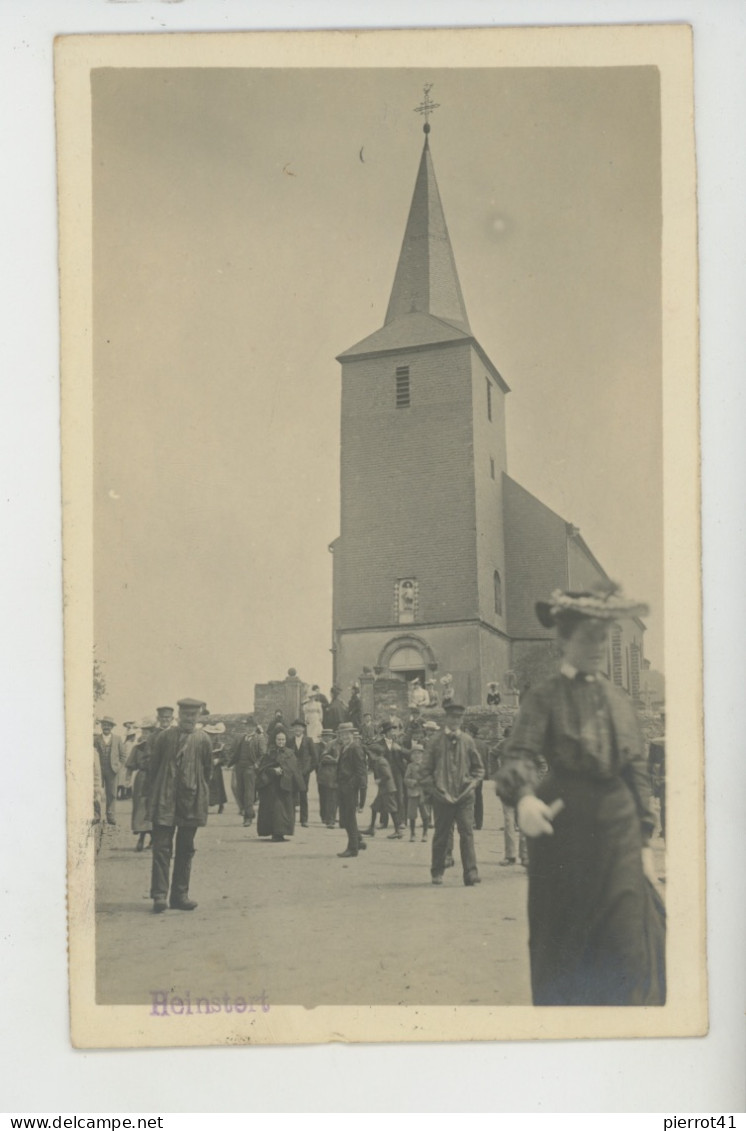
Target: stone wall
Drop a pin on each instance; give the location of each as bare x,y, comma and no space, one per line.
278,695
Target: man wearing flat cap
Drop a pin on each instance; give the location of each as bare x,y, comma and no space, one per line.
180,771
112,759
397,759
451,771
165,716
124,785
245,756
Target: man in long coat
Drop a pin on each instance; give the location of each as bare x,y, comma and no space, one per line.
397,760
246,754
165,716
336,712
112,759
451,771
305,756
352,778
180,771
279,781
472,728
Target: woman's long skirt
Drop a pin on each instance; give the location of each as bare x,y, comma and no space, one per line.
276,811
141,822
218,796
597,930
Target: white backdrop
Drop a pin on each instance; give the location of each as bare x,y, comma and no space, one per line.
40,1072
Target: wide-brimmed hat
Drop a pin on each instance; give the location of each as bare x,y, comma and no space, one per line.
430,724
601,603
298,723
345,728
107,719
214,728
148,723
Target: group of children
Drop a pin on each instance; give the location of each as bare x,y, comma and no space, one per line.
387,800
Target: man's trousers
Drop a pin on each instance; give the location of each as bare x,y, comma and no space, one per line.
348,818
246,789
163,840
444,814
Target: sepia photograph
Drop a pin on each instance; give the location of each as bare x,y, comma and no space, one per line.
381,536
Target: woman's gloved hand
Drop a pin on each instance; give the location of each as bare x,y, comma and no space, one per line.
534,817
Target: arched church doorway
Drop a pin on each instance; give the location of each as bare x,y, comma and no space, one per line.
407,663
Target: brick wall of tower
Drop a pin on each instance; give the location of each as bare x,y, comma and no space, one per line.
490,461
407,489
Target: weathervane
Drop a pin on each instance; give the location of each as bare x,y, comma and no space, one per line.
427,106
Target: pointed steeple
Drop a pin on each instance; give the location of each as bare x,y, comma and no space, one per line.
426,280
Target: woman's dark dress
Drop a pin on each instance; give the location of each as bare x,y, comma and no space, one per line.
139,761
218,796
596,924
276,804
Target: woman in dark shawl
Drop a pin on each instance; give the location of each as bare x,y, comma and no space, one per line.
138,763
278,776
597,928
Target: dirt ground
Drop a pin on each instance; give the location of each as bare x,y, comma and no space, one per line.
296,923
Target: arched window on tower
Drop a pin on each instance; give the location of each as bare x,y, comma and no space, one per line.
498,593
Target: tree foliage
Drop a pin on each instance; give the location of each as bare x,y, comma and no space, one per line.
537,664
99,679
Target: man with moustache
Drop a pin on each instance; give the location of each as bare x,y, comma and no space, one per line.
112,758
165,717
305,756
180,770
451,771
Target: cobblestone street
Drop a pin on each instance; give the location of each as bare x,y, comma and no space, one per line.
299,924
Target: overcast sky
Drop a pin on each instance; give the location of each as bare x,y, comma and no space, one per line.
240,243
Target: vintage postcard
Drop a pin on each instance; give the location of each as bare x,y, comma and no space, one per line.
381,536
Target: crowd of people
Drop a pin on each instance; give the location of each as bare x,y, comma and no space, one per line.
572,777
421,772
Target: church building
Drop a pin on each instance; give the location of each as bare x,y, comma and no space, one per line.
441,555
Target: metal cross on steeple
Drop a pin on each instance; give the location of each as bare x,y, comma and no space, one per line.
427,106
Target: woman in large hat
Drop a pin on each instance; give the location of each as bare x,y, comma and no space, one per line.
596,922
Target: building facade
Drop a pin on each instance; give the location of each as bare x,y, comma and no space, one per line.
441,555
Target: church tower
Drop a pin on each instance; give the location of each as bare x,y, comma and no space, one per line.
419,564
